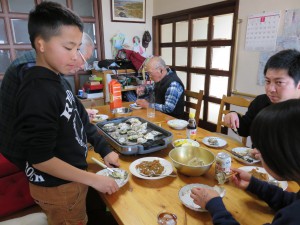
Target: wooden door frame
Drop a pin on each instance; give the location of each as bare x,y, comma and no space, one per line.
210,10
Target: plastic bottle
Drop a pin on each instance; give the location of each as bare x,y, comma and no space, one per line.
191,129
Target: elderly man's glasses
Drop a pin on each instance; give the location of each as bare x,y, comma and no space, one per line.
87,66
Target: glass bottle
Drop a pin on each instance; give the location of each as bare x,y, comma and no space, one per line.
191,129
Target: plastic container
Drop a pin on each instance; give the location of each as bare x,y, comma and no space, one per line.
115,94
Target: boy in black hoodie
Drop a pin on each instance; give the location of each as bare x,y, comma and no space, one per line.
51,126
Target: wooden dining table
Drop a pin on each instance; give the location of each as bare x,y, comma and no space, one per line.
141,200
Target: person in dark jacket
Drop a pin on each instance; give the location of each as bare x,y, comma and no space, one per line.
282,82
168,88
13,78
51,128
275,133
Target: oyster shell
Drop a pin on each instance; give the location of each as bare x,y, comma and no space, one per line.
133,120
133,137
155,133
122,140
131,132
141,140
149,136
123,131
110,128
123,126
108,125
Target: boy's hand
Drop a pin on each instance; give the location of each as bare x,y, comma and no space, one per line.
105,184
254,153
232,120
202,196
241,179
112,159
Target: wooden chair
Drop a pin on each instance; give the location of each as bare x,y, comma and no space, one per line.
189,104
232,100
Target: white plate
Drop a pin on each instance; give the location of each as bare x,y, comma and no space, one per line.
120,182
243,152
99,118
186,142
283,184
178,124
221,142
185,195
135,106
165,163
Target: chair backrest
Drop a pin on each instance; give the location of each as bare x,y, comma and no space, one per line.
232,100
189,104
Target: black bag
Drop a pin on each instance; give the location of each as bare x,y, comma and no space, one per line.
125,64
106,63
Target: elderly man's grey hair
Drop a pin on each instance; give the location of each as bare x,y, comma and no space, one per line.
156,62
161,62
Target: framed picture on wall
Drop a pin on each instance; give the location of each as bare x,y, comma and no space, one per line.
133,11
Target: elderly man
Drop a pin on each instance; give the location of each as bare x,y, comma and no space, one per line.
168,88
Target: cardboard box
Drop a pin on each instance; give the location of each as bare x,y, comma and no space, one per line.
115,94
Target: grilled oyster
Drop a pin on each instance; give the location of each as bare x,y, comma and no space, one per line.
141,140
149,136
122,140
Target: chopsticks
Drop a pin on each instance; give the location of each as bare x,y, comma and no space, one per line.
222,177
230,175
102,164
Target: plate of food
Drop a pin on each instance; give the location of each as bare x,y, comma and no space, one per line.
214,142
185,142
121,176
261,173
243,154
99,118
151,168
185,195
177,124
135,106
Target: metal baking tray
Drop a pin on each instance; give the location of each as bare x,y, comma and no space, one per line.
159,142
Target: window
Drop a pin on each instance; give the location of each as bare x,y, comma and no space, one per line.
14,38
199,44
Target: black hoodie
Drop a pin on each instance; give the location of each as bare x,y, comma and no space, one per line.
51,122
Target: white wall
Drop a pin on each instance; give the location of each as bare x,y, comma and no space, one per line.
129,29
167,6
247,61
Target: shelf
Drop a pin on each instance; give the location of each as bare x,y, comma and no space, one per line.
113,72
129,88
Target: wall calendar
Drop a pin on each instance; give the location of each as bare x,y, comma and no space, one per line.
262,31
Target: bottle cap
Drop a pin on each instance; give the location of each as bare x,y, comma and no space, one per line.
192,115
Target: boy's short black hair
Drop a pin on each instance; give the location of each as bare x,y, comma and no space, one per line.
275,133
47,18
288,60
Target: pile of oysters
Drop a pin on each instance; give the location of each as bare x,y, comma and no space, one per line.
131,132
